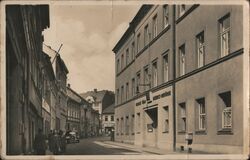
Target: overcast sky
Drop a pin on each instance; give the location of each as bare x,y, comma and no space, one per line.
88,34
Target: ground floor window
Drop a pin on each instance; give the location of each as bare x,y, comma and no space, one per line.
182,117
166,119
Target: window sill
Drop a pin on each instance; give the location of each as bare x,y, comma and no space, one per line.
165,132
181,132
226,131
201,132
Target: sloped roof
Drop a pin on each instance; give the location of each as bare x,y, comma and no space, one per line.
73,95
98,95
109,110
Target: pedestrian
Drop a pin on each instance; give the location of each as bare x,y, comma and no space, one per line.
63,142
56,143
50,137
40,143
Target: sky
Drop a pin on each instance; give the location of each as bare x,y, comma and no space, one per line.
88,34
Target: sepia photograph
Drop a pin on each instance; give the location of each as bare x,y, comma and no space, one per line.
124,79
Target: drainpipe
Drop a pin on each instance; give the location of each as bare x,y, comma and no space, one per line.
174,78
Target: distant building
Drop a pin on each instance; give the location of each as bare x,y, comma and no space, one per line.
108,122
99,100
179,72
24,26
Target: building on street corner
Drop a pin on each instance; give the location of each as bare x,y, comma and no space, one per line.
173,78
99,101
24,26
108,122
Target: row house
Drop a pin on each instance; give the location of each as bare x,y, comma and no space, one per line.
99,100
80,115
179,74
58,94
24,27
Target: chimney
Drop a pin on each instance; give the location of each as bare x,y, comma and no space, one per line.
68,85
95,90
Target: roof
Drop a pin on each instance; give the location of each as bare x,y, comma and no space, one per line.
109,110
132,25
75,96
98,95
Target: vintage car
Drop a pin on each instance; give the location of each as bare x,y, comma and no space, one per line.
72,137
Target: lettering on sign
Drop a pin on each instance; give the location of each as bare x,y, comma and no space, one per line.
143,101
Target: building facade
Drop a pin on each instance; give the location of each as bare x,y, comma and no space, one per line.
108,122
173,78
74,104
24,26
99,101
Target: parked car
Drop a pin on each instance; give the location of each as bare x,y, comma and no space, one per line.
72,137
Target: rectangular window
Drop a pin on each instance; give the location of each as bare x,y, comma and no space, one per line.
225,35
117,96
133,50
138,81
122,94
122,62
133,87
166,16
132,124
122,126
155,74
127,125
106,118
182,127
182,60
155,32
112,118
127,56
146,77
138,43
127,91
146,35
138,122
118,66
117,126
200,49
165,68
201,113
226,110
181,9
166,120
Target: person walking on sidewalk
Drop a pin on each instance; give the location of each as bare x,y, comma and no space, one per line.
56,143
40,143
62,141
50,137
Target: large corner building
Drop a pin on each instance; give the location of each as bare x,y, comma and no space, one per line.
179,71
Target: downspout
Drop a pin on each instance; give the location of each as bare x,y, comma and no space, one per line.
174,78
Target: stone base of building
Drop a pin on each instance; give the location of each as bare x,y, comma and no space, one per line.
211,148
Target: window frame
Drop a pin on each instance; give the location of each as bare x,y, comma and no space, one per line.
200,46
155,26
165,75
165,16
222,32
155,73
182,60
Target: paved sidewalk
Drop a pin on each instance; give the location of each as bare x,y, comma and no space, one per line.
151,150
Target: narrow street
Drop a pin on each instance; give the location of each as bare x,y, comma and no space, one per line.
97,146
